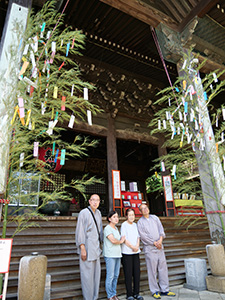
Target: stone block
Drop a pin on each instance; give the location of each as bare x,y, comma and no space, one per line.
32,277
215,284
196,271
47,294
216,258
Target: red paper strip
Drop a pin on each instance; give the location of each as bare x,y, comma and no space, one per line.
61,66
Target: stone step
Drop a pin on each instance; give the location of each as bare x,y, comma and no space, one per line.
55,238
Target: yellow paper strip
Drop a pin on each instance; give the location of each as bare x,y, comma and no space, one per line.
55,92
24,67
52,113
14,116
28,117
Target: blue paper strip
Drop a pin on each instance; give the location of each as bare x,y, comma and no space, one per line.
53,149
43,27
63,156
67,49
186,107
56,156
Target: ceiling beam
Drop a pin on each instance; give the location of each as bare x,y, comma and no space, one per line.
142,12
211,66
199,10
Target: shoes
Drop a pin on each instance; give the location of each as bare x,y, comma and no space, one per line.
138,297
156,295
130,298
115,298
169,294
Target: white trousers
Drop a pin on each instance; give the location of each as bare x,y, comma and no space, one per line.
156,263
90,273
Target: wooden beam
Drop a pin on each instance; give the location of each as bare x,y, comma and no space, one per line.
142,12
211,66
135,136
202,6
207,8
93,130
120,134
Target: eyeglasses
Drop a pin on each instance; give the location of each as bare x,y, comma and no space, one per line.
95,200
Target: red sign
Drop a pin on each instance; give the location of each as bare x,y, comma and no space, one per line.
52,161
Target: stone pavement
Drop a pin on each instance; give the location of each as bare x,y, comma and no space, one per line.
185,294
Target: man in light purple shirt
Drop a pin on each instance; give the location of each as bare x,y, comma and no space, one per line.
88,236
152,234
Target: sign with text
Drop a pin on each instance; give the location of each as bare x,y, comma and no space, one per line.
168,188
5,254
116,184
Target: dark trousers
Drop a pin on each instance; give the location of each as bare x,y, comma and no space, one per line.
131,268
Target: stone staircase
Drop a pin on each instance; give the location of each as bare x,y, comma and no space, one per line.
55,238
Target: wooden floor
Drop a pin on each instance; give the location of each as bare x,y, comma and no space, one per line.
55,238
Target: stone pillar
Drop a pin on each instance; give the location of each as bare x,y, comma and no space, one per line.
10,54
32,277
196,272
173,46
47,295
216,257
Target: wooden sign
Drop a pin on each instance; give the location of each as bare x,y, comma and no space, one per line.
5,254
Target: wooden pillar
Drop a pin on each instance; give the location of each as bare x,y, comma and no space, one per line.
112,162
161,150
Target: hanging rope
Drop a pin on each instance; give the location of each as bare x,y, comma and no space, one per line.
162,59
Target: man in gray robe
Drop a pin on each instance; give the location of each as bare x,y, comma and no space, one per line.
88,247
152,234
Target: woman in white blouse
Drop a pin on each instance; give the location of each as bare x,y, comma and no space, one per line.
130,256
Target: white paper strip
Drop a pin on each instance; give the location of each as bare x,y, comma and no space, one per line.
215,77
180,115
35,152
71,122
159,124
85,93
21,159
223,111
53,47
89,117
25,51
72,90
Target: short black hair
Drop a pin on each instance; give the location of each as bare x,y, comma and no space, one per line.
128,210
110,214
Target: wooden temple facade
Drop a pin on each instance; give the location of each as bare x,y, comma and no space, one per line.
122,61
